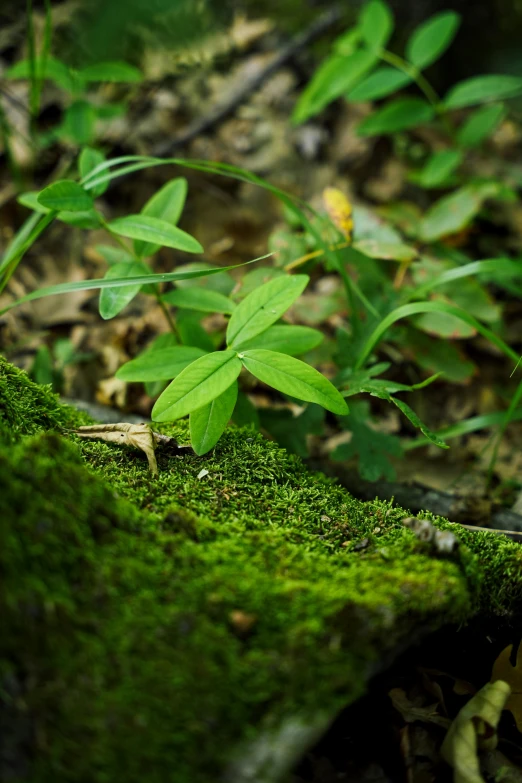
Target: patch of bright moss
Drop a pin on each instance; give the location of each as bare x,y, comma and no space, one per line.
155,625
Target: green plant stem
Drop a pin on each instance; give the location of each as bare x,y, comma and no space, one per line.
422,83
509,416
165,310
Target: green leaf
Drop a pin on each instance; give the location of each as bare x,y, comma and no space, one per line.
156,231
336,76
293,377
293,340
398,115
52,68
208,423
376,24
78,122
379,84
30,200
197,385
88,160
435,355
439,167
110,72
371,447
65,194
198,298
245,413
88,219
387,250
167,204
412,416
263,307
291,431
452,213
113,255
113,300
481,124
483,89
191,332
431,39
159,364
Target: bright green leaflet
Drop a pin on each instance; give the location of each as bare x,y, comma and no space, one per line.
197,385
431,39
113,300
294,377
482,89
208,423
382,82
398,115
159,364
376,24
293,340
167,204
65,194
155,231
198,298
87,162
481,124
263,307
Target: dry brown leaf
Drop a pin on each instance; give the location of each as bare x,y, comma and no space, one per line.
503,670
140,436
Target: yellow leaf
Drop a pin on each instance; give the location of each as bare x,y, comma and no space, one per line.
339,211
474,729
503,670
138,435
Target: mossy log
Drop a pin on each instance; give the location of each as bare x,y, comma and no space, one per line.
206,624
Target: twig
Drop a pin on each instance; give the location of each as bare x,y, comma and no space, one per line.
221,111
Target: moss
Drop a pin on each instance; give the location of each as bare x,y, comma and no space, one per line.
154,626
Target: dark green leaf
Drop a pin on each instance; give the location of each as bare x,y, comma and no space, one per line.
191,332
65,194
245,413
382,82
167,204
376,24
293,377
263,307
483,89
155,231
113,300
371,447
208,423
291,431
398,115
431,39
197,385
198,298
293,340
159,364
481,124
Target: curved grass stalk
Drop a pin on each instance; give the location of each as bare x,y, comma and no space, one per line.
430,307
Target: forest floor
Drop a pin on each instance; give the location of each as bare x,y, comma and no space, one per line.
63,339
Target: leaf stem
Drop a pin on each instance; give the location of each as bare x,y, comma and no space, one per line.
422,83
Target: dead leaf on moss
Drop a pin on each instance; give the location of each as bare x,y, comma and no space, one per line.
141,436
474,729
504,670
